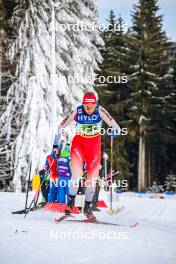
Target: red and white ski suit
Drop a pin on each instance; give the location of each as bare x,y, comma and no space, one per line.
86,145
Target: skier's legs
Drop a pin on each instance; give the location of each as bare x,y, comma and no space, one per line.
61,190
45,195
66,189
77,160
52,191
44,192
93,159
95,199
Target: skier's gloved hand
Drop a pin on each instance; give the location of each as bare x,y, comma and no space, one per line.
42,174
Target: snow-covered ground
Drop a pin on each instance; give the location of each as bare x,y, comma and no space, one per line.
37,239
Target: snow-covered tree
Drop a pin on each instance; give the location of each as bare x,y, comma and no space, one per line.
114,95
6,76
149,80
38,99
156,188
1,43
170,183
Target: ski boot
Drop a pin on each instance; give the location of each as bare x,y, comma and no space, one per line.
95,209
87,211
70,204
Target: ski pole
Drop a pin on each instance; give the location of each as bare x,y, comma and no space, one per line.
36,200
111,198
111,210
28,187
36,194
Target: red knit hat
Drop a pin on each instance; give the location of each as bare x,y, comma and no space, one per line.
89,99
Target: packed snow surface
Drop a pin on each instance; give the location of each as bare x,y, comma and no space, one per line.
38,239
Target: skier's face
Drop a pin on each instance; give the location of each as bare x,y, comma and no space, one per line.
55,152
89,108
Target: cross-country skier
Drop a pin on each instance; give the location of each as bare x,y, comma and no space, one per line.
45,186
86,147
51,168
64,174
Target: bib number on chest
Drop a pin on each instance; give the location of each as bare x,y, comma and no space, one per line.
89,129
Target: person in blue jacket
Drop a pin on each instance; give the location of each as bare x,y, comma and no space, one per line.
51,168
64,175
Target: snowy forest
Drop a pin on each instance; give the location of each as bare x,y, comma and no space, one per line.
37,88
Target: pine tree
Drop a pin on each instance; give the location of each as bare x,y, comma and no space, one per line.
113,96
156,188
6,78
1,41
148,78
33,106
170,183
171,110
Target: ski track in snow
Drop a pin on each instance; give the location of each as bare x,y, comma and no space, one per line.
29,241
